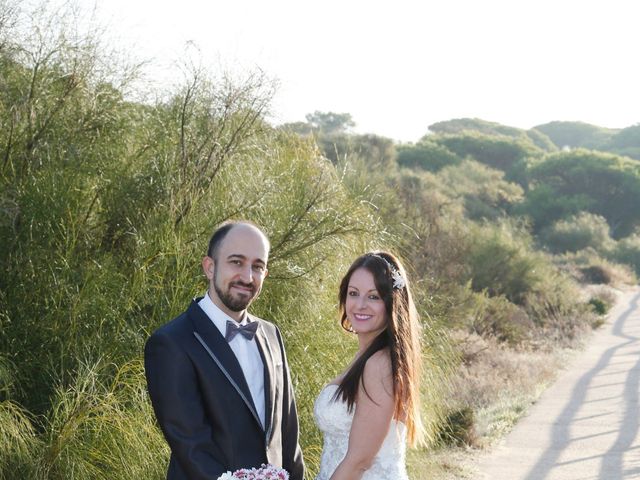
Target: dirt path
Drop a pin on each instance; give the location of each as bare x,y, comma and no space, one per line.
586,426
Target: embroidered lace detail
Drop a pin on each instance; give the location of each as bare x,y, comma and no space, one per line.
334,420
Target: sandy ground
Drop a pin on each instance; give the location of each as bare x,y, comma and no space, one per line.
587,424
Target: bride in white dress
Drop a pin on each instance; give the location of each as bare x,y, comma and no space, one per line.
369,413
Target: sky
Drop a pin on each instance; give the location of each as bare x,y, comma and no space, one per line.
399,66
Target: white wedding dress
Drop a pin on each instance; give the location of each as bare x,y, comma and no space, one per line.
334,420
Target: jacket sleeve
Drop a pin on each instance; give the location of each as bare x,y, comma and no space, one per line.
173,389
291,452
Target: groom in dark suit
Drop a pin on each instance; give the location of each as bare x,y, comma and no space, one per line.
218,376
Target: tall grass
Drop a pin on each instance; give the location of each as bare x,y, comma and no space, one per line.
107,207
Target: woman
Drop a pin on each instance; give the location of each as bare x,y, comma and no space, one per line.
368,413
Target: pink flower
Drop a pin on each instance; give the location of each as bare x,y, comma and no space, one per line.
265,472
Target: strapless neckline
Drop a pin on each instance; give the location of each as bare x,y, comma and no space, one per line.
334,420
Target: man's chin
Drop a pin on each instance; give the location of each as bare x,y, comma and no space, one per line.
239,304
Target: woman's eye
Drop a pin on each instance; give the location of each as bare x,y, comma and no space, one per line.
374,297
352,293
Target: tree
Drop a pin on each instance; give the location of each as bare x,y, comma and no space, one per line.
566,183
426,155
626,142
576,134
495,151
330,123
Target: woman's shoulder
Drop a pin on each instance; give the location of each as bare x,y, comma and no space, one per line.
379,359
378,366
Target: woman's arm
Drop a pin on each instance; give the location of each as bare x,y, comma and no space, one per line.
371,420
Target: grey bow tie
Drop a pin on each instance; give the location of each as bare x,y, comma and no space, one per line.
248,331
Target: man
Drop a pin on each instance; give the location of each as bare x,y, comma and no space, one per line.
218,376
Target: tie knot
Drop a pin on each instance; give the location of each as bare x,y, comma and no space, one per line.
248,330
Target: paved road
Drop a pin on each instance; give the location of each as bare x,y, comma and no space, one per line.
586,426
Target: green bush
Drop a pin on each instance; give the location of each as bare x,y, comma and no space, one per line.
502,262
499,152
598,306
497,317
577,233
627,251
426,155
459,429
597,274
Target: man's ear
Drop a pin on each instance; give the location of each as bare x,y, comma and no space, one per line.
208,266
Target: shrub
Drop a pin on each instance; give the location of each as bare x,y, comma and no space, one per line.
627,251
497,151
459,428
598,305
502,262
597,274
577,233
497,317
426,155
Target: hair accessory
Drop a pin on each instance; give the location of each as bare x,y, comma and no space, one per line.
398,280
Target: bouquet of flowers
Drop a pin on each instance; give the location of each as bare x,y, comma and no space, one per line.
265,472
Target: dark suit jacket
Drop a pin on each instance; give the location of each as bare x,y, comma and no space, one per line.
204,406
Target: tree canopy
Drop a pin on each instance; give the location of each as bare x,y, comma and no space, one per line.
566,183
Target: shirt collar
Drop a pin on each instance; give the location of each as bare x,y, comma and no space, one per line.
216,315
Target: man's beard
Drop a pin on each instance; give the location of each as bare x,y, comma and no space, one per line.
235,304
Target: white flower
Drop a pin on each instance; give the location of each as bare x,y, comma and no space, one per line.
265,472
227,476
398,279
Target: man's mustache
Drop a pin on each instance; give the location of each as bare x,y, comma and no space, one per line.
245,285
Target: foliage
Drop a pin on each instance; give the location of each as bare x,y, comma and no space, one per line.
501,261
426,155
577,233
485,193
329,122
460,125
627,251
625,142
565,183
459,428
598,305
541,140
576,134
589,267
500,152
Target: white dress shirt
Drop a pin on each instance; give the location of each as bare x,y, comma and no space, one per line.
246,352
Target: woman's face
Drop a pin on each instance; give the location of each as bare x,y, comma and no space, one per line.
364,307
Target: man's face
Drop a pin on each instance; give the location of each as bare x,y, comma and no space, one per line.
238,270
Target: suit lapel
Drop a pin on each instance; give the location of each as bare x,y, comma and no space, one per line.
269,375
208,335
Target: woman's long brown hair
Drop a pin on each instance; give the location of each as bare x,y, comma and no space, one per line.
401,337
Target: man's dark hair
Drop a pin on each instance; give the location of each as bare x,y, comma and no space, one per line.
222,231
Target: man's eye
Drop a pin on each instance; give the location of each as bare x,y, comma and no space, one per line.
258,268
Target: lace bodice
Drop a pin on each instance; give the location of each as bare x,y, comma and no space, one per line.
334,420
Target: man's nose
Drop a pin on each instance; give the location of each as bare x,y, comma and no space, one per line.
246,275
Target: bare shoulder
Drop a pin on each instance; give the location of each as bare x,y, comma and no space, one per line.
378,372
379,362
